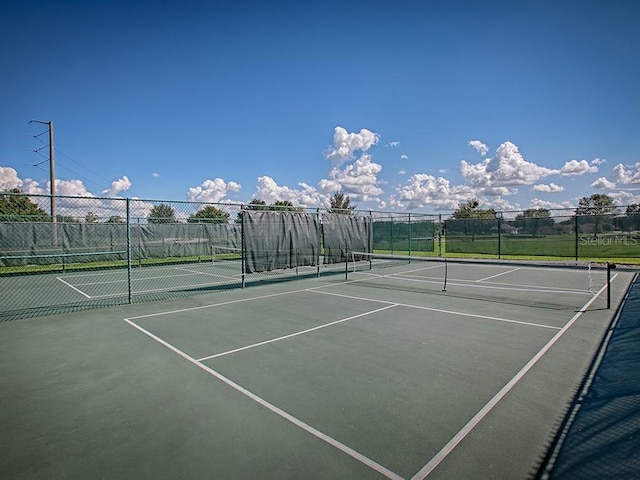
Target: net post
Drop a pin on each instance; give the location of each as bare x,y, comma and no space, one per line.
444,287
609,267
346,267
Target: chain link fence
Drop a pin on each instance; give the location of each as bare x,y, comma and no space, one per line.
112,251
558,234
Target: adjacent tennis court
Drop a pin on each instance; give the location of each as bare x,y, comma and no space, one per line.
416,369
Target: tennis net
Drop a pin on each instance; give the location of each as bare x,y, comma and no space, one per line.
543,285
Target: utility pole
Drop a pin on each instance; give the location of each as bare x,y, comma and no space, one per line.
52,174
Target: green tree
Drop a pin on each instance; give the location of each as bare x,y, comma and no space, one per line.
16,207
209,214
115,219
66,219
469,218
532,219
631,219
471,209
256,204
285,206
341,203
162,213
596,209
91,218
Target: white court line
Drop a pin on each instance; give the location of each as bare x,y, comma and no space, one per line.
269,406
498,274
211,305
165,289
189,273
318,290
474,284
473,423
73,288
440,310
195,272
492,285
240,300
502,285
284,337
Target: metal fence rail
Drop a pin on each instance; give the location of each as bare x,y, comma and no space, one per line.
106,251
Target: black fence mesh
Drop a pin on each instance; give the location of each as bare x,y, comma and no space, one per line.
193,247
561,234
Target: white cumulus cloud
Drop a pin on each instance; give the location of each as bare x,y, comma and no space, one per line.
627,174
479,147
72,188
358,180
507,168
575,167
539,203
212,191
423,190
306,196
603,184
9,180
547,188
117,186
346,144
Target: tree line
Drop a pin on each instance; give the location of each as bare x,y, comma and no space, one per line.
596,209
17,207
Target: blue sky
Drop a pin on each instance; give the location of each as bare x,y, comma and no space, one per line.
405,105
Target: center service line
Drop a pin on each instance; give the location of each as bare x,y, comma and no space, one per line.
269,406
284,337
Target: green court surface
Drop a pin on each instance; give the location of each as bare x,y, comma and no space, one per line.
384,375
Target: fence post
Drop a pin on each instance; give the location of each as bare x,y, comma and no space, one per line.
129,282
319,226
499,218
409,234
440,231
575,234
243,249
391,234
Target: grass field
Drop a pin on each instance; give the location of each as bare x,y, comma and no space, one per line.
621,248
618,248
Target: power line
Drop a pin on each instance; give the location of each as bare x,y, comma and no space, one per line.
81,165
84,178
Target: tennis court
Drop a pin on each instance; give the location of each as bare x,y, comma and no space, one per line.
28,295
413,370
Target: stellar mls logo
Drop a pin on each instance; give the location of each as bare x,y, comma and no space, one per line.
609,240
